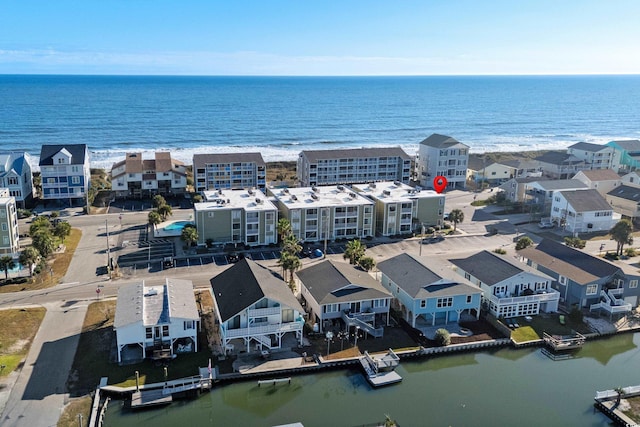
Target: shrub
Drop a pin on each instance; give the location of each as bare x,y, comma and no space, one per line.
446,226
575,242
630,252
500,251
431,230
443,337
576,314
523,242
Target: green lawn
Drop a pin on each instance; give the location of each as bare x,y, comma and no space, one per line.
19,326
524,334
550,323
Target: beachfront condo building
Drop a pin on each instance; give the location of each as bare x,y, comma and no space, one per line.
9,235
229,171
353,166
326,213
626,156
16,176
598,156
136,177
402,209
241,217
65,173
441,155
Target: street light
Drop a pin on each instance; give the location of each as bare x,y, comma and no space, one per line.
329,337
355,344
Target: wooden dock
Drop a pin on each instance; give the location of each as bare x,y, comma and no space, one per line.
564,342
379,370
146,398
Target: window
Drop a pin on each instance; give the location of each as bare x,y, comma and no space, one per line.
189,324
210,214
562,280
633,283
592,289
4,227
149,333
444,302
75,180
423,303
469,298
165,330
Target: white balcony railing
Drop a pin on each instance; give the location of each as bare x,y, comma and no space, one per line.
264,329
262,312
548,295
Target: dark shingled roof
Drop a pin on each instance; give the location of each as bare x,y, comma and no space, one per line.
244,284
626,192
586,200
556,158
419,278
77,151
587,146
374,152
331,282
440,141
487,267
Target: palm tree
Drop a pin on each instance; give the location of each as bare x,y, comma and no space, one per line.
354,251
189,235
154,219
284,228
367,263
291,245
288,262
158,201
39,223
62,230
164,211
621,233
456,216
28,257
6,264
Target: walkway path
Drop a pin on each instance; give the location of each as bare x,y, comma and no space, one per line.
39,392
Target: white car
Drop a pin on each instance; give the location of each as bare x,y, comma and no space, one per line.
545,225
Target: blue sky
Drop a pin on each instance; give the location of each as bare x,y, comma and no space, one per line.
306,37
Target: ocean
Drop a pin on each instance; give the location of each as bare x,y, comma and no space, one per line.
281,116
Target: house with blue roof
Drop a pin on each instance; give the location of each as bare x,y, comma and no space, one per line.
429,290
16,176
65,173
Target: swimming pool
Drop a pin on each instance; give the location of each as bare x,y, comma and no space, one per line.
177,225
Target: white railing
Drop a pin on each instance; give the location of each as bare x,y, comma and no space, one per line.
263,330
550,295
613,309
261,312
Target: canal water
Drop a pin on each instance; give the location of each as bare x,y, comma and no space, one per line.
503,387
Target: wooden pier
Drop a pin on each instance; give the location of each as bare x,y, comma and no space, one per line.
274,381
166,394
564,342
146,398
379,370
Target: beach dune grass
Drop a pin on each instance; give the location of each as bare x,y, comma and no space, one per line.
19,327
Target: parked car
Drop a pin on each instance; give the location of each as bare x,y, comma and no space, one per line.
434,239
234,257
168,262
545,224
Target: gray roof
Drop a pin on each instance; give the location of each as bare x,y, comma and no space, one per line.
78,153
601,175
586,200
419,278
578,266
158,304
200,160
559,158
562,184
629,145
246,283
626,192
477,163
332,282
373,152
441,141
587,146
490,268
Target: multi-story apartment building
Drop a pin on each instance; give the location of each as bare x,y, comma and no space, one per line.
626,155
135,177
441,155
597,155
65,172
9,235
15,175
229,171
353,166
328,212
236,216
401,209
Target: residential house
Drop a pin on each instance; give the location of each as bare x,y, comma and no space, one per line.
16,176
135,177
524,167
625,200
557,165
582,211
244,217
335,291
326,212
509,289
583,280
599,156
540,193
626,156
157,321
229,171
353,166
256,307
632,178
514,189
65,173
9,234
428,290
402,209
481,169
603,180
441,155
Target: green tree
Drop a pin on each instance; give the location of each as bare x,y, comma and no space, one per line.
6,264
354,251
621,233
55,214
575,242
154,218
290,263
443,337
197,198
62,230
39,223
284,228
189,235
164,211
44,242
158,201
524,242
456,216
291,245
367,263
28,257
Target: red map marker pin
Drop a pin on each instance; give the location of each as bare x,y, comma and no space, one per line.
439,183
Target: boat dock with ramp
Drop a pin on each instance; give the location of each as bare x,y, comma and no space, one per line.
380,370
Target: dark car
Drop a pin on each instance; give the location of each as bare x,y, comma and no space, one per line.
168,262
234,257
434,239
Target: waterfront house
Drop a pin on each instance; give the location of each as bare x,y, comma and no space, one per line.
583,280
158,321
243,217
325,212
514,189
255,306
353,166
480,169
402,209
428,289
556,165
9,234
603,180
65,173
16,176
137,177
599,156
335,291
626,156
539,194
625,200
582,211
229,171
441,155
509,289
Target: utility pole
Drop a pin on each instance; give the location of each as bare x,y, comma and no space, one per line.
106,227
